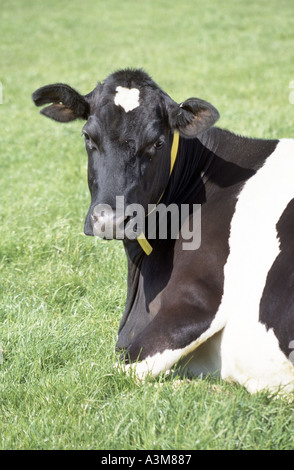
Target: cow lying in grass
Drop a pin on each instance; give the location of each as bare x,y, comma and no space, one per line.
222,300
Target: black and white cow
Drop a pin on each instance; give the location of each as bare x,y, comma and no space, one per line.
228,305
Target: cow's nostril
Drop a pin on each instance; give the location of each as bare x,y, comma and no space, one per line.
93,218
109,224
99,226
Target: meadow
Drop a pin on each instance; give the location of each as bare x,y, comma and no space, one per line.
62,294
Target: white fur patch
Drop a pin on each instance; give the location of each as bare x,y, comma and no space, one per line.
127,98
251,354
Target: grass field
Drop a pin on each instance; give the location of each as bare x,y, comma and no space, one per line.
62,293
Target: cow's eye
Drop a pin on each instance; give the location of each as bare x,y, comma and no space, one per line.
89,141
86,135
159,143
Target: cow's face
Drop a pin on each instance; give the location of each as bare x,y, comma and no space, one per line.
128,136
127,139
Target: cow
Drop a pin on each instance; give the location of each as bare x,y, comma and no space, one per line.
227,305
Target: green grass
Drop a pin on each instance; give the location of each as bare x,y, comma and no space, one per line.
62,294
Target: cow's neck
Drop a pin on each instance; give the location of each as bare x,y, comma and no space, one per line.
185,185
186,182
192,162
203,165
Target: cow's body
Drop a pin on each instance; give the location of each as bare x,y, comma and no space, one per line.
226,278
229,305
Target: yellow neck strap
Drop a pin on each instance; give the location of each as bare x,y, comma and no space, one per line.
142,240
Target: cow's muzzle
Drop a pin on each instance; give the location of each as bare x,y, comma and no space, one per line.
107,223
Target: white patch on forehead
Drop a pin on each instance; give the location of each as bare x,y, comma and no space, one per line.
127,98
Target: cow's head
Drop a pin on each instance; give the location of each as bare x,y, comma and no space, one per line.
128,135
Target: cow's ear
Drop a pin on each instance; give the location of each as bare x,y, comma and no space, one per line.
67,104
193,116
